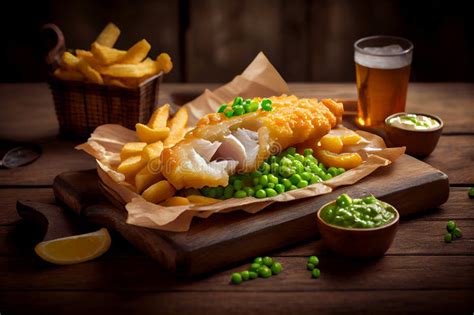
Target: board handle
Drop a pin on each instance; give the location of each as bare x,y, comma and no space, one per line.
54,45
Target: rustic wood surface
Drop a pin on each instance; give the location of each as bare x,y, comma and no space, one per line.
420,273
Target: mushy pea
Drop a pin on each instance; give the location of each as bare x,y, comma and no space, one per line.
414,122
365,213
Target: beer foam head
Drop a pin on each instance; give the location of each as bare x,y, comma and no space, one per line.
386,57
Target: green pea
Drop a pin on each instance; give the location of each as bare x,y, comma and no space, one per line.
315,179
327,176
260,193
293,187
457,233
322,167
270,192
451,226
295,179
264,272
205,191
286,171
470,192
253,106
249,191
238,101
333,171
291,151
264,168
276,268
298,166
271,185
247,108
228,191
248,101
306,176
266,106
267,261
302,184
272,179
257,187
286,182
264,180
245,275
448,237
275,168
343,200
212,192
340,170
255,266
229,113
266,101
315,273
222,108
258,260
285,161
236,278
299,157
238,184
240,194
309,266
239,110
369,199
313,260
307,152
253,275
280,188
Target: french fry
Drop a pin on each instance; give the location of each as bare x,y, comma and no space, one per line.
69,61
177,127
164,62
147,67
108,36
148,135
145,178
159,117
131,149
131,166
152,152
90,73
83,53
159,192
116,82
106,55
201,200
136,53
68,75
176,201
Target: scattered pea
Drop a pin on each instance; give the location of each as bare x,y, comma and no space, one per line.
451,226
276,268
457,233
236,278
470,192
253,275
258,260
310,266
313,260
268,261
448,237
264,272
315,273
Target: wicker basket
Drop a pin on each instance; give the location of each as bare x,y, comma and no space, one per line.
81,106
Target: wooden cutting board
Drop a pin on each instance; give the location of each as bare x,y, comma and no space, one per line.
409,184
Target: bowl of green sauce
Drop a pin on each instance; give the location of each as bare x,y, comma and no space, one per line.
418,132
362,227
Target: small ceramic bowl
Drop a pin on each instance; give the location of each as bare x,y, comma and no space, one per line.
418,143
357,242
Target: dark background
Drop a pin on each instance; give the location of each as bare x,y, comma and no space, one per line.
213,40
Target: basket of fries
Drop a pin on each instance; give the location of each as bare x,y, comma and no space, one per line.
103,85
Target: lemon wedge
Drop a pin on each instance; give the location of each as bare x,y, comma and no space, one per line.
74,249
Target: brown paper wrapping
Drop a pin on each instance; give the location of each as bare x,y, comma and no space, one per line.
259,79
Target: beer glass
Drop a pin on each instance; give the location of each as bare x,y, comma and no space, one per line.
382,73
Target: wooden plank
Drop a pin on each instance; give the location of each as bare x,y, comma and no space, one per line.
454,155
138,273
9,196
392,302
412,188
58,156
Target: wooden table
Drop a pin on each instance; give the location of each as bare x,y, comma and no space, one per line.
419,273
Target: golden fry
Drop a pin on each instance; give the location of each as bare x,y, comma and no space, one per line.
69,61
152,152
177,127
90,73
136,53
131,166
176,201
145,178
147,67
106,55
68,75
148,135
201,200
131,149
164,62
83,53
109,35
159,117
344,160
159,192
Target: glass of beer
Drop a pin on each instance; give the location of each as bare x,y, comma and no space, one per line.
382,73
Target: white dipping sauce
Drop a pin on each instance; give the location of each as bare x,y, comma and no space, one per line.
414,122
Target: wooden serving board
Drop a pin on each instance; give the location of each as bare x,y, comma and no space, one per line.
410,185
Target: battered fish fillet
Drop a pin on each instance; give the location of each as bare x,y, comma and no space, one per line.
221,146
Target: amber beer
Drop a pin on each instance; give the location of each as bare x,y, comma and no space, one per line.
382,74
